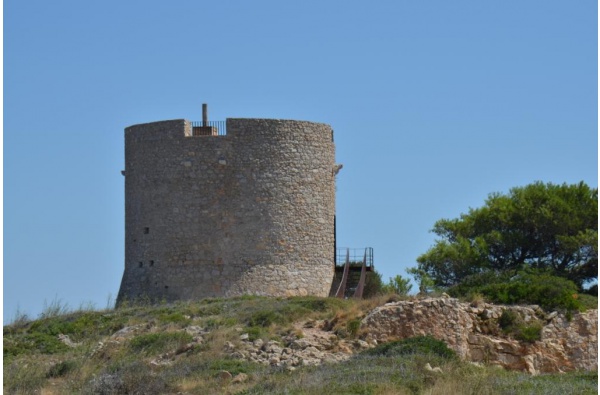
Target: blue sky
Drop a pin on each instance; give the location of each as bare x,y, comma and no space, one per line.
435,104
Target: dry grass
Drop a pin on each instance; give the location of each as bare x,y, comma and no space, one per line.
33,363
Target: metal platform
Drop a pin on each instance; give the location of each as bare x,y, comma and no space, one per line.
353,260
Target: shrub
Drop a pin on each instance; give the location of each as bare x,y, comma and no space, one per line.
220,322
264,318
175,318
285,311
32,343
128,377
80,325
475,282
61,368
413,345
255,332
475,299
353,326
373,285
529,333
508,320
588,302
155,343
526,287
312,304
398,285
24,377
511,323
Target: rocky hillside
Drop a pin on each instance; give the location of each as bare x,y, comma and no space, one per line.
301,345
513,337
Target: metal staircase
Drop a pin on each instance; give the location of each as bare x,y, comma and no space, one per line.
351,273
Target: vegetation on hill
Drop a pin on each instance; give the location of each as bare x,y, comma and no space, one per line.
536,245
120,352
539,226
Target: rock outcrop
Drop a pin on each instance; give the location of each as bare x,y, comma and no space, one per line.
473,331
315,346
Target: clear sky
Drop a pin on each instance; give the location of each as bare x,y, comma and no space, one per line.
435,104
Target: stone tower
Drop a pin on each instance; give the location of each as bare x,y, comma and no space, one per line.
249,212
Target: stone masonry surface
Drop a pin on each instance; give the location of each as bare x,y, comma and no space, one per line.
473,332
250,212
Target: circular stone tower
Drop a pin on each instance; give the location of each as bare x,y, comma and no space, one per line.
249,212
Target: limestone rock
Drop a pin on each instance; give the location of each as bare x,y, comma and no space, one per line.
437,369
475,335
67,341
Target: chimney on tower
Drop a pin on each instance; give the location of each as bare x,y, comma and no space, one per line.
205,129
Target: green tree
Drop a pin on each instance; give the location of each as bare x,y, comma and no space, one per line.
539,226
426,283
373,285
398,285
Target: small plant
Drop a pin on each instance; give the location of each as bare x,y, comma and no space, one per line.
20,319
255,332
508,320
156,343
476,299
61,369
128,377
264,318
373,285
54,309
414,345
511,323
426,283
32,343
398,285
529,333
313,304
175,318
353,326
26,377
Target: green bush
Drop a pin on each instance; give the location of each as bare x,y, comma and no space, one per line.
175,318
312,304
265,318
24,377
32,343
413,345
155,343
285,311
128,377
398,285
526,287
475,282
588,302
373,285
529,333
508,320
512,324
255,332
353,326
78,324
61,368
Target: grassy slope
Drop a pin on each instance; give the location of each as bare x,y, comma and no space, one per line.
34,358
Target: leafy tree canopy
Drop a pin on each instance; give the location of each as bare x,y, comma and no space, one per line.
539,226
398,285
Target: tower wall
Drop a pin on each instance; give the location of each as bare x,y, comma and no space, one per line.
251,212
